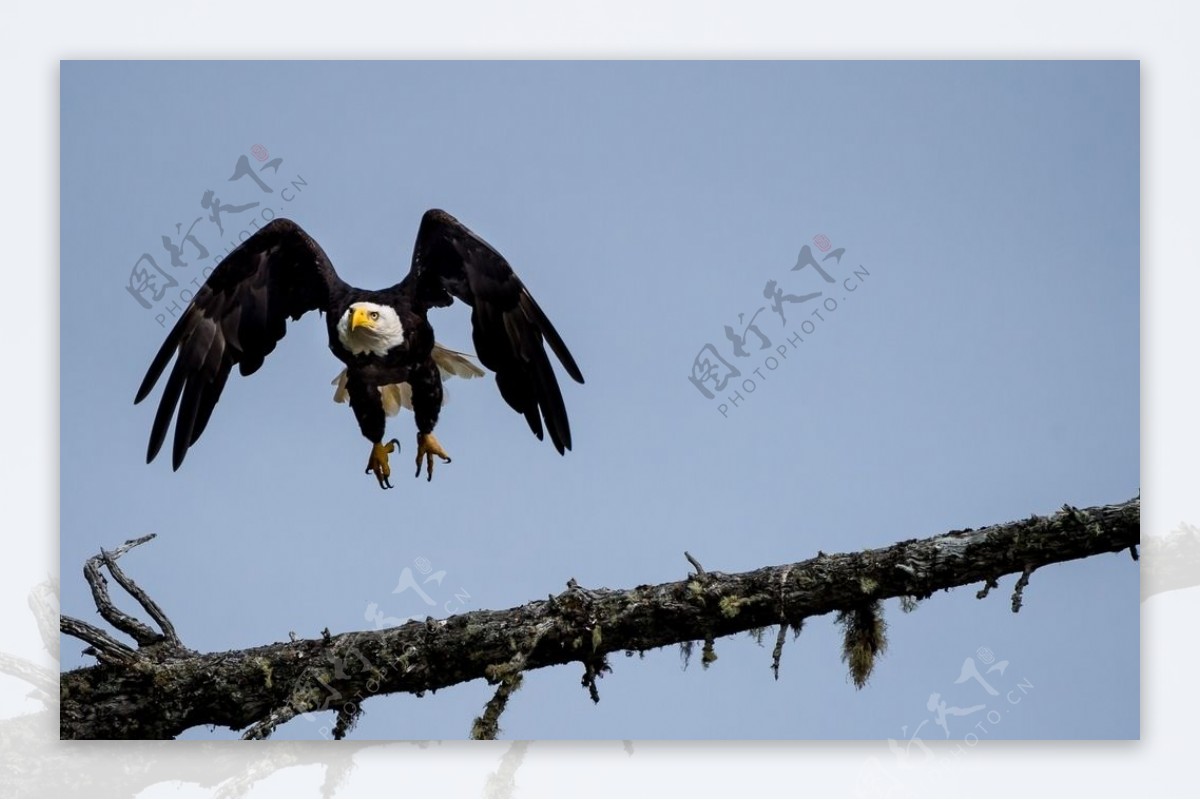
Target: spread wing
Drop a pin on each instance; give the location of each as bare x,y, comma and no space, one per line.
509,329
236,319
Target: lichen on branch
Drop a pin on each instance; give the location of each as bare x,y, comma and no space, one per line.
160,689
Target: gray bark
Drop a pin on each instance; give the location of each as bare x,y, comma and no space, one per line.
160,688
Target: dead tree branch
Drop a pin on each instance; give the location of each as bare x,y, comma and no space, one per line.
165,689
1171,562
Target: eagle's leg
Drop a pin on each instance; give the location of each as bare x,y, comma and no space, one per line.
378,462
427,447
426,383
368,410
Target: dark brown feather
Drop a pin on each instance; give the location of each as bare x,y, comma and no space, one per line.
510,330
236,318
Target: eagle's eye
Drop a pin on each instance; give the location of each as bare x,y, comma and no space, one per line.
374,315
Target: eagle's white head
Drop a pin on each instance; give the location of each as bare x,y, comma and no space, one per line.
370,328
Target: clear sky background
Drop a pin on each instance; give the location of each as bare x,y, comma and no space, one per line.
985,369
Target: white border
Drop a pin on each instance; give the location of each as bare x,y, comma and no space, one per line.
37,36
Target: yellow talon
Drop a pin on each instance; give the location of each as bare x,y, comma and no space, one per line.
378,462
427,447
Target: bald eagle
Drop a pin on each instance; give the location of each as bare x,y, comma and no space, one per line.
383,337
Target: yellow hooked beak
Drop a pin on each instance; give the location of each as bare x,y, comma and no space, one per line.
361,317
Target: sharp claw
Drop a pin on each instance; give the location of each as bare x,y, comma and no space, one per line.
427,447
377,464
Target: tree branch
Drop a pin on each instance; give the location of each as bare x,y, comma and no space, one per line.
105,648
160,696
139,594
141,633
1171,562
43,602
41,678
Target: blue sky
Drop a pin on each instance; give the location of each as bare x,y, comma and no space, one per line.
985,368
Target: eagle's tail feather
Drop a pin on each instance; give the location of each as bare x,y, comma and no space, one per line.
399,395
341,394
395,397
452,362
